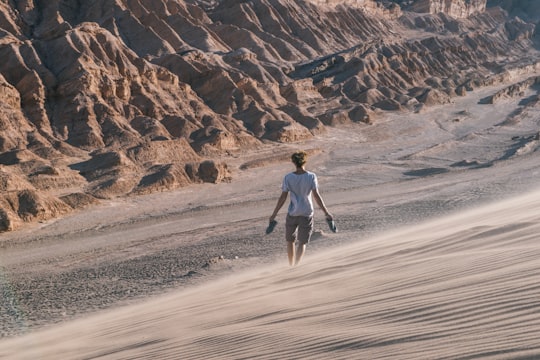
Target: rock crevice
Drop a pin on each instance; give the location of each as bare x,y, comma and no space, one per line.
119,98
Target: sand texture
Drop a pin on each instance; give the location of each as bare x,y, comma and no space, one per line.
461,287
142,149
436,257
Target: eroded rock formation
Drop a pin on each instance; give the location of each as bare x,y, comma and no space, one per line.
454,8
526,9
116,97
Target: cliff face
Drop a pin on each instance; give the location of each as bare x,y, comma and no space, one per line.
116,97
525,9
376,7
454,8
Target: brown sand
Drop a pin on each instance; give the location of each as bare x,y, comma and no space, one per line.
462,284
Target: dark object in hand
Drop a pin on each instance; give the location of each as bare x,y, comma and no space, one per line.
271,225
332,225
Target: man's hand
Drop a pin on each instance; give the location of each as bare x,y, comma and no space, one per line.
331,223
271,225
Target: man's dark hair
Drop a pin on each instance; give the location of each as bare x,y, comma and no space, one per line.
299,158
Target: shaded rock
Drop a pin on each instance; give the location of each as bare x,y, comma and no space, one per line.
157,152
433,97
180,127
518,29
29,205
361,113
335,117
44,170
114,99
388,105
461,91
301,92
10,182
6,221
208,171
314,125
79,200
454,8
511,91
346,115
371,96
112,185
151,128
286,131
212,140
525,9
164,177
15,157
46,177
102,163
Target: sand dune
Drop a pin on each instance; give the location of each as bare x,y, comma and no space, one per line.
188,274
463,286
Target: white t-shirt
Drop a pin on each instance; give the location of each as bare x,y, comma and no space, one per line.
299,188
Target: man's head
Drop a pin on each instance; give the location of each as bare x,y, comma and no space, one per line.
299,158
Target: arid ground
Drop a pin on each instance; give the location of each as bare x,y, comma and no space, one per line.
436,255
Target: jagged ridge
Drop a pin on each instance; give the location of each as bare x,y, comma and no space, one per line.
114,97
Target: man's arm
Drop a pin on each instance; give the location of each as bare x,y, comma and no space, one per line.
280,202
320,202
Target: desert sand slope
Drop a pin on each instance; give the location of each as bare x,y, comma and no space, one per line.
460,287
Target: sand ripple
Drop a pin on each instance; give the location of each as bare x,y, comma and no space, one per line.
462,287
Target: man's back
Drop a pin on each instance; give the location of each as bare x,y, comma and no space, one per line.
299,187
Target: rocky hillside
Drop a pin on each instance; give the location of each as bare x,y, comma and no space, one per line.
109,98
525,9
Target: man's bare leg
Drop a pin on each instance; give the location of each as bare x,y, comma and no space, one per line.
290,252
300,250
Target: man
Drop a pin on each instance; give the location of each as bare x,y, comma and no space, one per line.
301,184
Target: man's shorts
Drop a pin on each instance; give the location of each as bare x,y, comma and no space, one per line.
299,227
